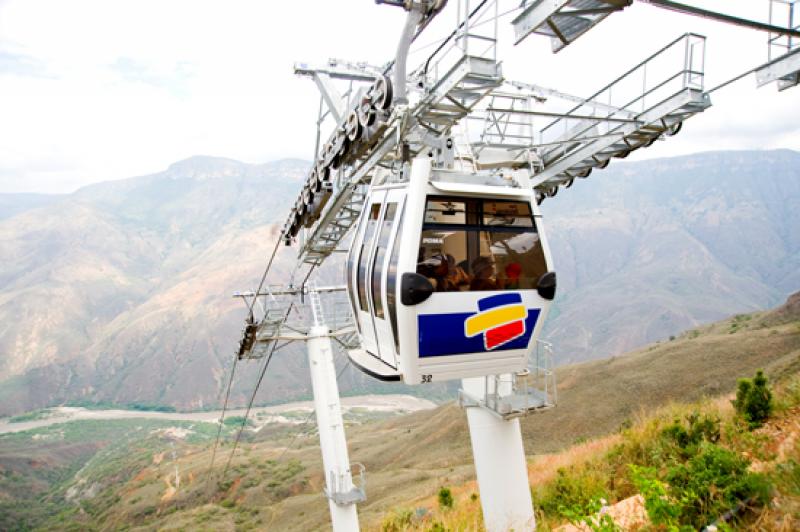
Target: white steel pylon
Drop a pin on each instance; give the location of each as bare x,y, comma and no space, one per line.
500,464
340,490
335,460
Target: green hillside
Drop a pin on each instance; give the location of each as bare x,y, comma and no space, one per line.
123,474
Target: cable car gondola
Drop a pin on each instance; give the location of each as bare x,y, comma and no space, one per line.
448,275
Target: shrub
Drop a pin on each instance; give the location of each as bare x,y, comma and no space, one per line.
445,498
228,503
397,521
237,421
574,489
754,400
712,482
680,440
251,482
661,508
591,516
437,526
696,492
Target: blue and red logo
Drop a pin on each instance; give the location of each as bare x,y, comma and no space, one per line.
502,322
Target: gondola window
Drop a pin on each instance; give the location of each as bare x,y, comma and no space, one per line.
472,245
363,260
391,281
380,255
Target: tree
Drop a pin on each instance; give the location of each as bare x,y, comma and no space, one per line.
754,400
445,498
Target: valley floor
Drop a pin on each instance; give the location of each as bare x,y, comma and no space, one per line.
261,415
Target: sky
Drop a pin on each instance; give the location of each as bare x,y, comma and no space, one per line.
94,90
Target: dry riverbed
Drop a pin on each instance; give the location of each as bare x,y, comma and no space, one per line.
285,413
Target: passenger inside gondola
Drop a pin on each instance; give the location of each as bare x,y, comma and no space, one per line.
513,271
485,276
474,244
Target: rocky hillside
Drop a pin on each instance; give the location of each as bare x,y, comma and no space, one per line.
645,250
120,292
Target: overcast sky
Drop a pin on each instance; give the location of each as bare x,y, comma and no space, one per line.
99,90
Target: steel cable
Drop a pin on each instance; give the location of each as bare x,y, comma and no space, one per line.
253,397
263,278
221,420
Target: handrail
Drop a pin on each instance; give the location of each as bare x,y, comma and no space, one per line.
453,34
600,118
631,71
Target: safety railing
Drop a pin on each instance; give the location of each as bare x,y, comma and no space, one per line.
678,66
543,372
475,35
514,395
784,13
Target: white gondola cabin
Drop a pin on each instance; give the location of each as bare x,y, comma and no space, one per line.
448,275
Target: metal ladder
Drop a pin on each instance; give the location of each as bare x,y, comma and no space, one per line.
334,225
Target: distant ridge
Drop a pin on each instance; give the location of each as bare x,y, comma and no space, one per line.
120,292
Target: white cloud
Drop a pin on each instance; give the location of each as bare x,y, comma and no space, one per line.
95,89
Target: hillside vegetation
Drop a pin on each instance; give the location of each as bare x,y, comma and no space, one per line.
143,475
682,467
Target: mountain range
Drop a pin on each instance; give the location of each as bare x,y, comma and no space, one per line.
121,291
646,250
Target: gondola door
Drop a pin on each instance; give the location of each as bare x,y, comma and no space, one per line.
383,292
362,270
372,260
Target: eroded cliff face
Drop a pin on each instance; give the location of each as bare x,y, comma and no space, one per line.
645,250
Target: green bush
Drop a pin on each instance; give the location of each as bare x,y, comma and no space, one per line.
31,416
754,400
696,492
661,508
445,498
397,521
237,421
591,516
436,526
680,440
573,490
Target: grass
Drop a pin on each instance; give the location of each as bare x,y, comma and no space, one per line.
39,467
107,405
597,398
692,462
31,416
275,479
